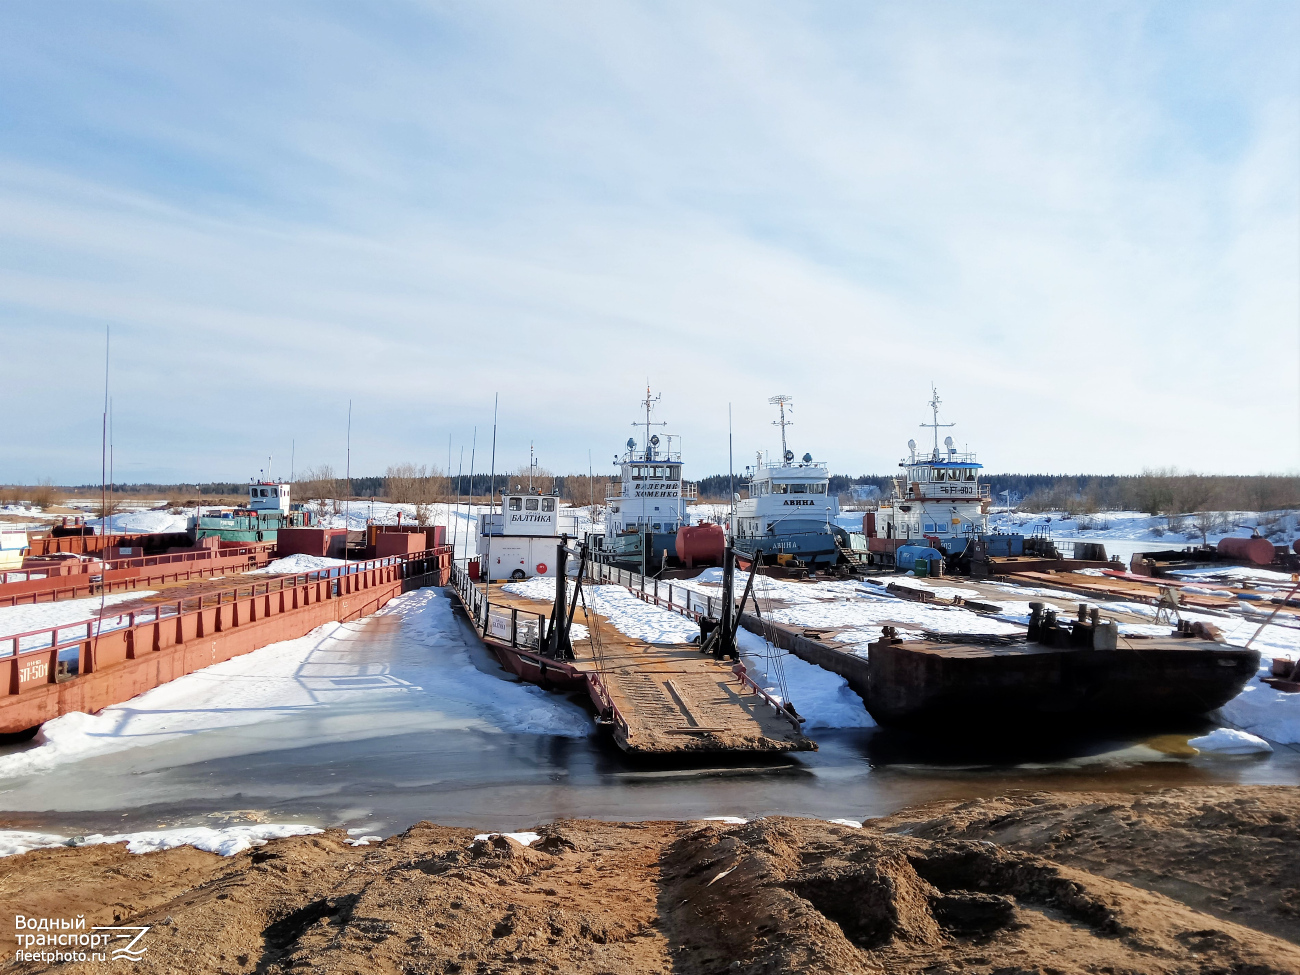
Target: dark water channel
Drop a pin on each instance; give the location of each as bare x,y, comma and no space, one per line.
295,769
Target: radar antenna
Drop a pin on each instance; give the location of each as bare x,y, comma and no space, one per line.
649,403
934,405
780,403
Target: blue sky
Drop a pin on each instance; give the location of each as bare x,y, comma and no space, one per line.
1081,221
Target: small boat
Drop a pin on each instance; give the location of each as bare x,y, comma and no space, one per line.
268,510
789,513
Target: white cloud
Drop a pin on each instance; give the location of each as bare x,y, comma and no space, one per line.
1095,259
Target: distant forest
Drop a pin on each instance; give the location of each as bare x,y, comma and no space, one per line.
1157,492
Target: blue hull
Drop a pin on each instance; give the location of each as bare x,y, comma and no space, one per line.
814,549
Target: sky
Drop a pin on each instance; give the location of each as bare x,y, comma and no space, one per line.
1079,221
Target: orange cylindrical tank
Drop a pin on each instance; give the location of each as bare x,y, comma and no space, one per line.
701,545
1257,550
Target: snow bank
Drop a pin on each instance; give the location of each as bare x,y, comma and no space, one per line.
822,697
143,522
523,839
14,841
629,615
426,669
41,616
1265,711
1227,741
224,842
295,564
1234,574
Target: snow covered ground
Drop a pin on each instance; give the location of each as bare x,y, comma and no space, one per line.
427,675
1126,532
859,609
224,842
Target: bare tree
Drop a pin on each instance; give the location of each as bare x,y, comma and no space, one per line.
44,496
317,484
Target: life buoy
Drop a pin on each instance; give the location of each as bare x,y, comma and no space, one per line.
541,568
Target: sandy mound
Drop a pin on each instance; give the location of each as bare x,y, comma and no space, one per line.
976,887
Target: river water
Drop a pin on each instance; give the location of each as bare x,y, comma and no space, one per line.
440,740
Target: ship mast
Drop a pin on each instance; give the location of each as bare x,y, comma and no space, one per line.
649,404
779,402
934,406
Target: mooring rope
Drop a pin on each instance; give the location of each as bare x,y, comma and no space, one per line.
768,628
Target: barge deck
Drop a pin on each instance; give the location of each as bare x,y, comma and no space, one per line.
656,699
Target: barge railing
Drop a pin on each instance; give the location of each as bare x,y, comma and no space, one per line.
94,581
518,629
527,632
35,655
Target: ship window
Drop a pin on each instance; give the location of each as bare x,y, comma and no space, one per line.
970,474
780,488
514,504
548,504
929,526
531,504
798,488
816,488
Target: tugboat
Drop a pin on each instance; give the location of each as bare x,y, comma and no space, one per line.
641,522
789,514
938,507
268,510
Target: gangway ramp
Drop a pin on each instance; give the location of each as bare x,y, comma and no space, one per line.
657,699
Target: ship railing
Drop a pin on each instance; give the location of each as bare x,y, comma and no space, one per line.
690,491
521,629
660,457
191,617
986,492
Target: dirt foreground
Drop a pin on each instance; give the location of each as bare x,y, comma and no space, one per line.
1185,880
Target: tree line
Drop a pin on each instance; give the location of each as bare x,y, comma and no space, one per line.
1164,491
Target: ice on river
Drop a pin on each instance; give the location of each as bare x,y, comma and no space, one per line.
423,668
